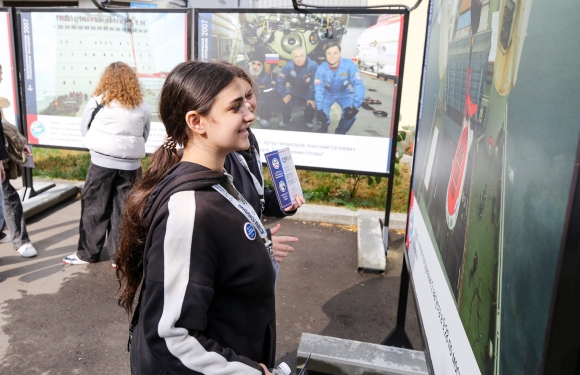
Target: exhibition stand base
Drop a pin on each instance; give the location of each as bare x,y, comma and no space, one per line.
330,355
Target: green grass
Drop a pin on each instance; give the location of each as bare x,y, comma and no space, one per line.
353,192
61,164
335,189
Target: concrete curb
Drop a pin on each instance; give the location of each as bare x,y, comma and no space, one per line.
344,216
370,249
48,198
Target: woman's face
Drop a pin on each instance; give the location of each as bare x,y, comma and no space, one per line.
229,119
250,97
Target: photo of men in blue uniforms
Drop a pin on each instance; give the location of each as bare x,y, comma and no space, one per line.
295,84
338,80
265,90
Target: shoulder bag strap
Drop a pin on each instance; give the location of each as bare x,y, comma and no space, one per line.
95,111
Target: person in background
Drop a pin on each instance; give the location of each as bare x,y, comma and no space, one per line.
295,86
332,84
116,140
207,301
11,211
266,90
249,180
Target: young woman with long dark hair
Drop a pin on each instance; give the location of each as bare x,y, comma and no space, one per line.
207,298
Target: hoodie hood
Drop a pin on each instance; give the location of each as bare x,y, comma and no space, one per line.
182,176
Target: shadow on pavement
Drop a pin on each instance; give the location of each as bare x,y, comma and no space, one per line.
76,326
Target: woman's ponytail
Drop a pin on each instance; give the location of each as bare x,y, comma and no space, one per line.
129,259
189,86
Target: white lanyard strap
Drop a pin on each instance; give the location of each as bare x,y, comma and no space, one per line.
257,184
245,208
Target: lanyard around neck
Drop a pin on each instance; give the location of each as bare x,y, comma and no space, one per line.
245,208
259,185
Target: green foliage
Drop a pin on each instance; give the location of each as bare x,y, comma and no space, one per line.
146,163
320,193
355,179
352,191
345,190
66,164
404,139
61,164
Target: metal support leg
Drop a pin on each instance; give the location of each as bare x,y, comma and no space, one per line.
29,191
398,337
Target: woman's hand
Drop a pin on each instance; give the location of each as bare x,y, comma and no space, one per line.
299,202
265,369
281,250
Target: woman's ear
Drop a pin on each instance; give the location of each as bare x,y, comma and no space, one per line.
194,122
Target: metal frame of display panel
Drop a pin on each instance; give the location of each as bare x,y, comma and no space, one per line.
17,37
116,11
14,74
561,344
397,87
399,78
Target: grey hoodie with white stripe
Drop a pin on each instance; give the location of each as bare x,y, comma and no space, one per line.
208,305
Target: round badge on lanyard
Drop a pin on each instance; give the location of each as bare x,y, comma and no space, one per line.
250,231
345,83
293,73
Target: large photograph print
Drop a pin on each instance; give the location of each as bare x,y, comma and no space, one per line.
64,55
8,104
326,84
497,143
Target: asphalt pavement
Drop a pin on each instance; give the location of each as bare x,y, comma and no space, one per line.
62,319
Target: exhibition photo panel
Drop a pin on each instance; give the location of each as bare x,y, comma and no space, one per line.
496,146
326,83
8,88
64,54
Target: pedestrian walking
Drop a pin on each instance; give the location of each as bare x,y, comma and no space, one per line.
11,211
207,299
115,125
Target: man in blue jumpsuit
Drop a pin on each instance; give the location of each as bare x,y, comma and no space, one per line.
295,86
338,80
265,90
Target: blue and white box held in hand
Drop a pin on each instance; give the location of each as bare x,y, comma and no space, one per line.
284,176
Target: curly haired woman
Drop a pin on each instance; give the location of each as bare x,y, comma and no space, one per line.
115,136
